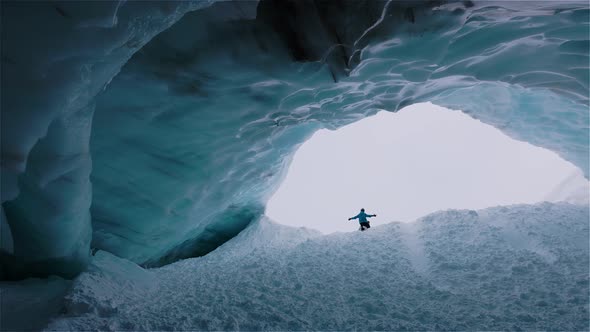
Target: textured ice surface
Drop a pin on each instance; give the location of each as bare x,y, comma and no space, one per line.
504,268
195,125
56,57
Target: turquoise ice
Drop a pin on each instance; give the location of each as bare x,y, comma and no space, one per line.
157,131
140,142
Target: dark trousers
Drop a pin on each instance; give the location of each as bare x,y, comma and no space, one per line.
365,225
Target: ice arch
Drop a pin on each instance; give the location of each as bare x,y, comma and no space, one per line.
408,164
192,135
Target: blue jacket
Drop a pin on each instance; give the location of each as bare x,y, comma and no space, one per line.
362,217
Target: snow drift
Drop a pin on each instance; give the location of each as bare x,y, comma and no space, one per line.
521,267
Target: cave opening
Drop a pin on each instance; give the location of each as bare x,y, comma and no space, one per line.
405,165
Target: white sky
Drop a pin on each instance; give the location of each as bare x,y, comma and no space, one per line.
404,165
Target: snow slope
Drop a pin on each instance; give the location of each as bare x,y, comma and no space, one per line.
503,268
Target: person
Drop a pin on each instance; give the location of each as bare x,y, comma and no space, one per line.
362,217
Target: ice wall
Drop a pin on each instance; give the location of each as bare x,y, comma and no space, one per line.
192,135
56,57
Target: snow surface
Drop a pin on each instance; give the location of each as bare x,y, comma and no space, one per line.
503,268
573,189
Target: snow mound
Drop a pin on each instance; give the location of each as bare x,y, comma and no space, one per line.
504,268
573,189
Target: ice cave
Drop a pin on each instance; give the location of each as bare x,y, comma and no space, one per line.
453,162
141,141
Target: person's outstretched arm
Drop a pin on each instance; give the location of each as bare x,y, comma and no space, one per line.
353,217
372,215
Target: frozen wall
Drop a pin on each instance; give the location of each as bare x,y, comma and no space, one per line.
191,137
56,57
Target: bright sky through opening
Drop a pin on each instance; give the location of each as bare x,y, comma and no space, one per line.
404,165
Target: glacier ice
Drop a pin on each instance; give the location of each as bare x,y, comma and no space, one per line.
157,146
50,77
520,267
30,304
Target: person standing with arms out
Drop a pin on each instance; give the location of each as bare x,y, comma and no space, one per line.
362,217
